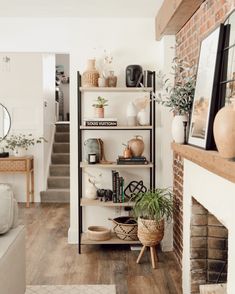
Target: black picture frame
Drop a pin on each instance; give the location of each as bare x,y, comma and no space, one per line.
206,98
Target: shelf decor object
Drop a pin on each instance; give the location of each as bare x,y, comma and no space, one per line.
91,75
205,104
106,198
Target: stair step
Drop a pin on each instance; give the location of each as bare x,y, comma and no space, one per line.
61,137
61,147
64,128
55,196
60,158
58,182
60,170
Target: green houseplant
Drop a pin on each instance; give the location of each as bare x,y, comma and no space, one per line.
151,208
21,142
99,105
179,97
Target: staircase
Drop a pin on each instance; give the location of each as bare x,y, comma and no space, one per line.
58,182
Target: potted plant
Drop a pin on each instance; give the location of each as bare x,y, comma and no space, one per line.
19,143
99,105
152,208
179,98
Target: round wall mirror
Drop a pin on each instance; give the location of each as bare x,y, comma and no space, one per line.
5,122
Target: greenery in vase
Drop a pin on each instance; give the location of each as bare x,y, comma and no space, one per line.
153,204
101,102
14,142
179,98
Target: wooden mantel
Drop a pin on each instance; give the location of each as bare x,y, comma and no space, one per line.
173,15
210,160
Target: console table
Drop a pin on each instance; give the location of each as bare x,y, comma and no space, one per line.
24,165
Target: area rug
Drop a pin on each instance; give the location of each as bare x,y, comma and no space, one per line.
71,289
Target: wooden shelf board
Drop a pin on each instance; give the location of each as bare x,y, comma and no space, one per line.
116,89
113,240
208,159
117,128
114,165
91,202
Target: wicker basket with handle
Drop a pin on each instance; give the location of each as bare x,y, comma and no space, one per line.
150,232
125,228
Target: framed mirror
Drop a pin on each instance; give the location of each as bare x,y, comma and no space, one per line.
5,122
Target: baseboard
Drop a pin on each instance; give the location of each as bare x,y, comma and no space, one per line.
72,236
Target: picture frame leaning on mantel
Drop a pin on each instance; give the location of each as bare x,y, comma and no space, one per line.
206,98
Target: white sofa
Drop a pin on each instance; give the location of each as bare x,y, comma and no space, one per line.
12,246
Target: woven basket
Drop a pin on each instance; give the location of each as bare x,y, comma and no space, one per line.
150,232
123,230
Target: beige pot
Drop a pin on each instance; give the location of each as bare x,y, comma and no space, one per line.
224,131
91,75
136,145
150,232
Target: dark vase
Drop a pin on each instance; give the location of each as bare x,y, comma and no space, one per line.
134,75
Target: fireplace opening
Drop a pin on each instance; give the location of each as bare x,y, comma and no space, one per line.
209,248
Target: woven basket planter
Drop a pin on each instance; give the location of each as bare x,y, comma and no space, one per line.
150,232
123,229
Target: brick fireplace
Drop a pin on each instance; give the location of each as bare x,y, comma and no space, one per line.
208,248
204,187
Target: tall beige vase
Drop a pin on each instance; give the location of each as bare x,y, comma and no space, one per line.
224,131
91,75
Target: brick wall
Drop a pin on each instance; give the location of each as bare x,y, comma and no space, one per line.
205,19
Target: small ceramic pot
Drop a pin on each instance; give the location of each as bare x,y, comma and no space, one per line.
127,152
99,112
102,82
90,191
143,117
19,152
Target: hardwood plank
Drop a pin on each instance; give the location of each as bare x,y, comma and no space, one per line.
210,160
173,15
113,240
50,260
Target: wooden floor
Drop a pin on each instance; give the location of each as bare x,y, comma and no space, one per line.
50,260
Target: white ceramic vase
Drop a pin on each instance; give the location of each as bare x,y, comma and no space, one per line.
90,191
131,114
143,117
177,128
19,152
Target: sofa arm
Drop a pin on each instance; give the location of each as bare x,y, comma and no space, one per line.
12,262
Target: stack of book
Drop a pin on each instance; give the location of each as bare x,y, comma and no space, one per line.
117,187
100,122
132,160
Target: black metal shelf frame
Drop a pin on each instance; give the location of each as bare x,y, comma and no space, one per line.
152,136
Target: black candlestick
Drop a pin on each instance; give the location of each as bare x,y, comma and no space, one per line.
185,123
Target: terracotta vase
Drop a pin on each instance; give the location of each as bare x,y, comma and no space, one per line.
99,112
224,131
91,75
136,146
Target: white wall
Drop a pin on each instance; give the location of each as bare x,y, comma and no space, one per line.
130,41
63,59
21,92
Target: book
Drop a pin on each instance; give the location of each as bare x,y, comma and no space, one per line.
132,160
101,123
136,158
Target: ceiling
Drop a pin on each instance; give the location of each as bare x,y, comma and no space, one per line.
79,8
